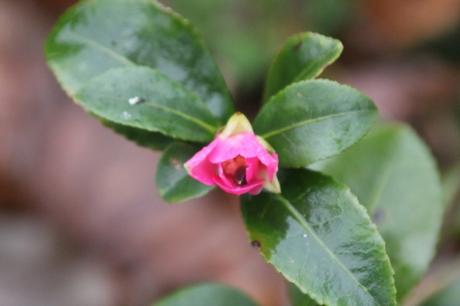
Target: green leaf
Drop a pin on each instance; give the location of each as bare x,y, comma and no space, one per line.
298,298
96,36
320,238
395,178
207,295
312,120
173,181
304,56
165,106
151,140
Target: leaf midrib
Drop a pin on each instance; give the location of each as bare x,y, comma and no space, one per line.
307,227
207,127
94,43
310,121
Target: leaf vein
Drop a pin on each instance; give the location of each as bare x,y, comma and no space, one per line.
209,128
97,45
309,121
307,227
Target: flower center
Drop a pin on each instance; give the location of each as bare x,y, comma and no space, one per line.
235,169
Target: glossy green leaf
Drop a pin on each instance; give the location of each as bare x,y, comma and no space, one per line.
148,139
164,106
304,56
173,182
395,178
312,120
321,239
207,295
96,36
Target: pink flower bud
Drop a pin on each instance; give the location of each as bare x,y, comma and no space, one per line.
236,160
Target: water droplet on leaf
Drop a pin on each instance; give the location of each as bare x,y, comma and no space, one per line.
135,100
176,163
126,115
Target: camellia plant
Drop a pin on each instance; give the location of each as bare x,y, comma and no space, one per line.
356,228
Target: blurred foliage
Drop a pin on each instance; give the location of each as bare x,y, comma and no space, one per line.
394,176
457,110
207,294
451,184
329,16
244,35
449,296
446,46
440,288
451,188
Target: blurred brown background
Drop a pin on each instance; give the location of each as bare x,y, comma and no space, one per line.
80,220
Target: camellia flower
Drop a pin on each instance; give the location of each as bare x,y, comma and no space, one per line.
237,160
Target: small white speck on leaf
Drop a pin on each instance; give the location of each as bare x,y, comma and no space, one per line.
135,100
126,115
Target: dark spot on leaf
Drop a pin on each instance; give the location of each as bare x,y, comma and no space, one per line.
378,216
175,163
256,244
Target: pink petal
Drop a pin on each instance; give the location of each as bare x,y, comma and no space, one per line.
244,144
256,190
224,180
272,165
254,184
238,190
199,166
253,168
206,165
248,146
